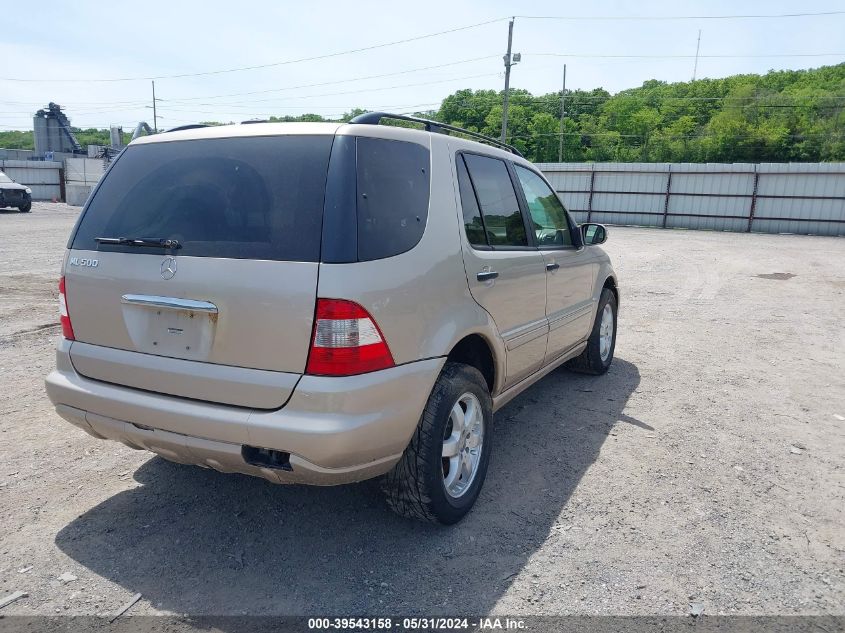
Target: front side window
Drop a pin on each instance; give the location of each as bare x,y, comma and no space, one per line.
547,213
494,192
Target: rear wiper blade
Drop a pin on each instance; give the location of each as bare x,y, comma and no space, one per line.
153,242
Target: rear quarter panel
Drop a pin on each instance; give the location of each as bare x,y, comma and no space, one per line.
420,299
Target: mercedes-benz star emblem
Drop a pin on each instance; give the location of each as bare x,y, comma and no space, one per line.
168,267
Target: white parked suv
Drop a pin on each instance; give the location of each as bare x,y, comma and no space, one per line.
325,303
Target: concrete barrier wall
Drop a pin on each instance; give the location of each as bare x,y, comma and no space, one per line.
81,175
43,177
806,198
71,179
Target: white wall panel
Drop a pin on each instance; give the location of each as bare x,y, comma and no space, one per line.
790,198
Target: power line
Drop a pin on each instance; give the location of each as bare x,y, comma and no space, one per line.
334,106
108,105
576,100
271,64
105,105
765,56
346,92
555,97
656,135
657,18
87,103
427,36
336,110
329,83
516,96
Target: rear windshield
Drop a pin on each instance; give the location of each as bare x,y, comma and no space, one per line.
242,198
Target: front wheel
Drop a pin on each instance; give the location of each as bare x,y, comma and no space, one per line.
441,472
597,356
25,208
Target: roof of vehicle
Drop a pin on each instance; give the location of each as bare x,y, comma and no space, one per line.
362,129
238,130
429,125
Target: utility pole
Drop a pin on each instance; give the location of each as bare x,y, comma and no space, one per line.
155,117
508,63
562,115
697,47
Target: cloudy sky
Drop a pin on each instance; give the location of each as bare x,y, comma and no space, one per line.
72,53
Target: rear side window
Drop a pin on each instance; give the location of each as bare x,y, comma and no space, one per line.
242,198
494,192
473,222
393,193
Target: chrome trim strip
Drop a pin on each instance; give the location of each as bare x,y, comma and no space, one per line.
562,319
169,303
511,392
525,333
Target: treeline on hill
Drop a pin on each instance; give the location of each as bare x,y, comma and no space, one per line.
89,136
778,117
781,116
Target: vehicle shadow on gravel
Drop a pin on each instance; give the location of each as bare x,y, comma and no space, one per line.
200,542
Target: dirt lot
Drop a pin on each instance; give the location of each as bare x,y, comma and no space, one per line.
706,467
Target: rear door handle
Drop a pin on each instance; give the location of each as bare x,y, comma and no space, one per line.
552,266
487,275
169,303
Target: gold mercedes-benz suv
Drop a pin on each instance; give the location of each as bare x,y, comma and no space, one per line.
324,303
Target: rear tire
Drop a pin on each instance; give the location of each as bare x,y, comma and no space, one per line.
25,208
598,355
441,472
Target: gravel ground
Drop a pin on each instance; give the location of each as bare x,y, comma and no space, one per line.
706,467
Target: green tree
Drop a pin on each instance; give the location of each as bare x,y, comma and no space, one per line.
786,115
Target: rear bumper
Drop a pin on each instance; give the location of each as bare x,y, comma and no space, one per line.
337,430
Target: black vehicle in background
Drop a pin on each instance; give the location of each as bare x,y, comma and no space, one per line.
14,195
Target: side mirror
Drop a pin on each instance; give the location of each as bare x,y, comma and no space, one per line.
593,234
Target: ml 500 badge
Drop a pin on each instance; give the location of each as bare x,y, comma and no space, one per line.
81,261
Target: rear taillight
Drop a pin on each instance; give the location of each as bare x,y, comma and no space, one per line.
346,341
64,317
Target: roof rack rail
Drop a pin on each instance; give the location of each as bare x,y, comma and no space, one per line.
190,126
374,118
